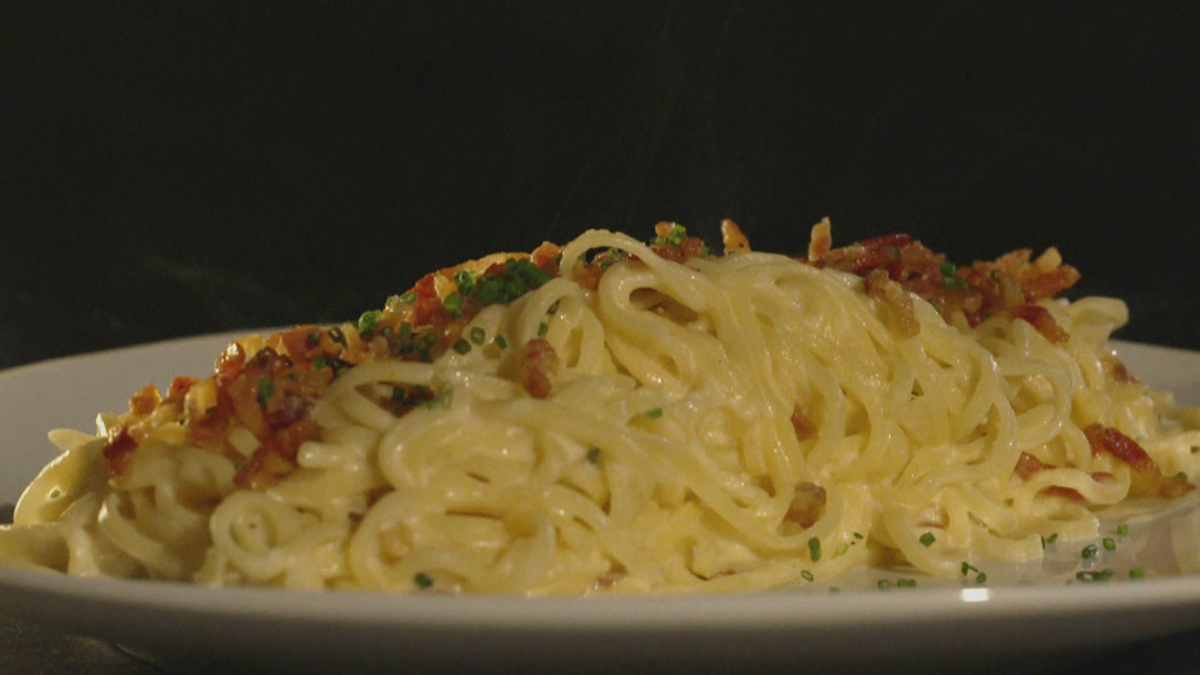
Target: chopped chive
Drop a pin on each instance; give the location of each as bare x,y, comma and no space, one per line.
320,362
453,303
465,280
1137,573
981,578
501,342
1052,538
478,335
654,413
313,338
337,336
543,328
408,298
1102,575
807,576
441,400
906,583
368,321
814,549
1181,475
1089,551
927,539
266,388
422,580
462,346
1109,544
884,584
858,535
841,550
1122,530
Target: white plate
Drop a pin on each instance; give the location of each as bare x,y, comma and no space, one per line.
946,626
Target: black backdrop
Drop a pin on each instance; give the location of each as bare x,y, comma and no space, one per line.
173,169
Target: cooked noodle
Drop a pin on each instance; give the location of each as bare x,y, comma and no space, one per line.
739,422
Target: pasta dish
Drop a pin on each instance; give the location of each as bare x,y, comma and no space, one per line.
622,416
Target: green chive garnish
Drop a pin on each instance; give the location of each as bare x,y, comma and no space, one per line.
266,388
927,539
814,549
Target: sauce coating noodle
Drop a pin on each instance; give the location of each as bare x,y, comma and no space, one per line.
645,421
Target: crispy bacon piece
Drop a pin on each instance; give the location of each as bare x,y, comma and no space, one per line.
1012,285
1148,476
879,285
145,400
808,505
546,258
1042,321
539,365
276,457
732,238
118,452
802,424
820,240
1124,448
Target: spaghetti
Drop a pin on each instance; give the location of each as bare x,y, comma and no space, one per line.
617,416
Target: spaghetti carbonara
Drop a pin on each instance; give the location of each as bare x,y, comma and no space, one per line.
621,416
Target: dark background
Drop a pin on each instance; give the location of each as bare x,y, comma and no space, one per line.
174,169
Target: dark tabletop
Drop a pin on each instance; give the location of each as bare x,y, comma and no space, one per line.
174,169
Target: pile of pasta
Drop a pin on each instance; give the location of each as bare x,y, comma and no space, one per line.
616,415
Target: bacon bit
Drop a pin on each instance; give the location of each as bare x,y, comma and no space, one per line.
302,342
802,424
118,452
179,389
691,247
687,248
539,365
1148,478
607,580
1116,368
1041,319
276,457
820,240
733,238
587,275
1124,448
1027,465
808,505
264,470
880,286
546,257
1174,486
1006,286
145,400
